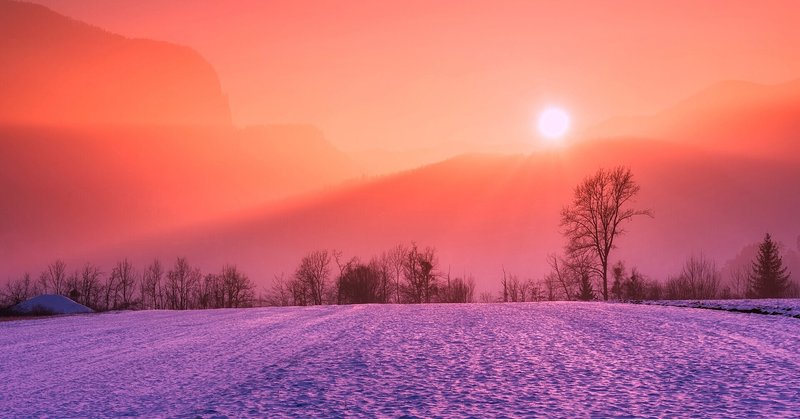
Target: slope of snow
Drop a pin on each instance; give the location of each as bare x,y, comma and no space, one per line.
51,303
773,306
565,359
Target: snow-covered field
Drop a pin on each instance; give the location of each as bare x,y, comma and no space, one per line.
776,306
559,359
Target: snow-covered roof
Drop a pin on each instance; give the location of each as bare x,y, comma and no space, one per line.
51,303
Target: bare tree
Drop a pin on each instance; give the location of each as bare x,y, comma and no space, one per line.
209,292
514,289
699,279
487,297
561,274
396,258
314,271
359,284
53,279
89,286
280,294
382,265
596,215
182,283
505,283
580,266
237,289
17,291
152,286
550,286
111,291
739,278
123,278
458,290
419,272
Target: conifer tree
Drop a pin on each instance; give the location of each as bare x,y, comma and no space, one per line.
585,290
769,278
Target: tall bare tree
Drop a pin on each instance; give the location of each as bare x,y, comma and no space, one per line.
595,218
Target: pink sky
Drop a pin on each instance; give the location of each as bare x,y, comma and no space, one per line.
409,74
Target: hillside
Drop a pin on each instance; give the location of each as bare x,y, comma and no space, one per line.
524,359
729,117
485,212
70,190
59,71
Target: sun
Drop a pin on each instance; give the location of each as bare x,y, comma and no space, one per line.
553,123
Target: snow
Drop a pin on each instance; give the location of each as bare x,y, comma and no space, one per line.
51,303
775,306
562,359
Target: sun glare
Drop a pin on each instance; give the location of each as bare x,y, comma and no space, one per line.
553,123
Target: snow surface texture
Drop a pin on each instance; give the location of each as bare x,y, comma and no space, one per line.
52,304
561,359
777,306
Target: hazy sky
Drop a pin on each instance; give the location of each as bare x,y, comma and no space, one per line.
411,73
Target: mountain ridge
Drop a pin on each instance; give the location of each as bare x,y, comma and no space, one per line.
93,76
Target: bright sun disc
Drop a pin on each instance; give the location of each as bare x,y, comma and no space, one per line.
553,123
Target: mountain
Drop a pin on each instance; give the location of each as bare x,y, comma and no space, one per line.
59,71
105,138
65,188
730,117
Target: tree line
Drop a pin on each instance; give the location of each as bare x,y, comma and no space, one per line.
178,287
401,275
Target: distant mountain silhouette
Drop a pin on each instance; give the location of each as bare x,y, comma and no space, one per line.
56,70
729,117
68,188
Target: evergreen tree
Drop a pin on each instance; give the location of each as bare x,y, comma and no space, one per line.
586,290
619,277
769,278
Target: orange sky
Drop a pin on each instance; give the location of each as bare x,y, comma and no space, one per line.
413,73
